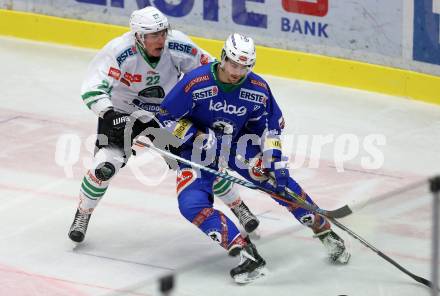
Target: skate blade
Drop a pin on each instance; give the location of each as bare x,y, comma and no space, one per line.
344,258
76,246
247,278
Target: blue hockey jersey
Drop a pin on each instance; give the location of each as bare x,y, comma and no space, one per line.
199,100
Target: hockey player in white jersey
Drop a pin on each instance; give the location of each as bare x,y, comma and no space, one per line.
134,72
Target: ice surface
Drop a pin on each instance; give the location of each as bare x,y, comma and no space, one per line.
137,234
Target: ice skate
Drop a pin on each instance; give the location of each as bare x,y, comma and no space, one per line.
248,220
251,266
78,229
335,247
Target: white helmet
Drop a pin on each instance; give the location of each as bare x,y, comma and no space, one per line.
148,20
240,49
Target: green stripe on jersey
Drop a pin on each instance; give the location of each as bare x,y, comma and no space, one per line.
89,94
91,97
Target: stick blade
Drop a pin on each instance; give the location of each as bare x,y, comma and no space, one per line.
341,212
422,280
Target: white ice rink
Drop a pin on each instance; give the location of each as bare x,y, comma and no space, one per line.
137,234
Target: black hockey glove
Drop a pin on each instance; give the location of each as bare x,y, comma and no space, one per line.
114,125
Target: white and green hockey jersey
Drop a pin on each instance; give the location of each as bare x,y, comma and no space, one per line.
120,75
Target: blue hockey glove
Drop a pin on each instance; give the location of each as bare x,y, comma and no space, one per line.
281,174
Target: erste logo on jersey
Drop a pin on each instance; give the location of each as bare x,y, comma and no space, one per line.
183,47
253,96
125,54
205,93
228,109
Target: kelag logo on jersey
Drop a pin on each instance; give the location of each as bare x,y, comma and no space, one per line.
186,48
205,93
253,96
125,54
228,109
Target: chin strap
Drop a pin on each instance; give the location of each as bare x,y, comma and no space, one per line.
139,40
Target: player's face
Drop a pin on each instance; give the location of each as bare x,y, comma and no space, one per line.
233,71
154,43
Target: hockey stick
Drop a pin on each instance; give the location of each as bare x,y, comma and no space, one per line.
329,214
338,213
296,202
381,254
351,233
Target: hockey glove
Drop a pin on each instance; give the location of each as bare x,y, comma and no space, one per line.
281,174
114,125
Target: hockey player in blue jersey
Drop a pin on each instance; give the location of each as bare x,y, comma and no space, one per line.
222,110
